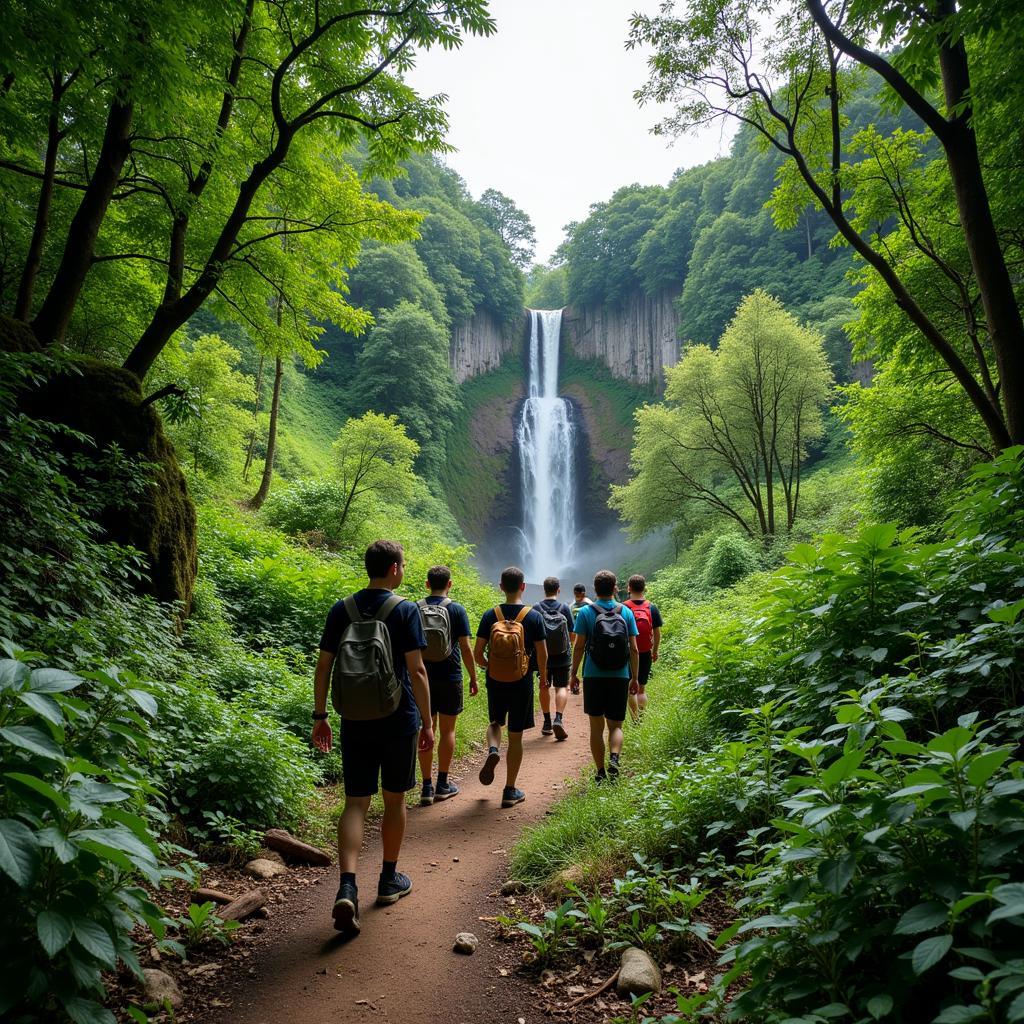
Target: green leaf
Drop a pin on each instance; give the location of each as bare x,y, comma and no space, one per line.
1015,1012
54,931
43,705
1002,913
835,875
768,921
984,766
44,789
922,918
53,680
842,768
879,1006
18,851
32,739
12,674
146,701
95,939
960,1014
818,814
87,1011
963,819
929,952
55,840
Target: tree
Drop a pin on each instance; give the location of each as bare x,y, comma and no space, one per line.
512,225
788,76
732,432
546,287
403,370
389,274
373,458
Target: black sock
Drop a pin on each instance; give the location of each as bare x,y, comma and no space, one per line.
442,779
558,716
492,750
615,758
388,871
348,876
427,780
547,716
601,774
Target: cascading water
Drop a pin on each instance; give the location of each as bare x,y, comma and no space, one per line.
547,456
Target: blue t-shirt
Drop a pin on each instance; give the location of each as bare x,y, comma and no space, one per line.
450,670
533,630
585,620
406,633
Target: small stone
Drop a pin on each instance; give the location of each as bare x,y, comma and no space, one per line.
323,970
160,989
265,869
273,855
638,974
465,942
262,912
455,860
513,887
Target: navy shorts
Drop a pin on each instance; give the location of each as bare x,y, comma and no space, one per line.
558,676
646,661
446,697
369,762
605,697
511,703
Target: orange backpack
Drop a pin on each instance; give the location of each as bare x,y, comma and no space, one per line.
507,660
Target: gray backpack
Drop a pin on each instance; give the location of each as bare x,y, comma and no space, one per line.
363,684
437,628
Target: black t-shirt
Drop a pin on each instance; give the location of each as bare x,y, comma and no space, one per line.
406,633
533,629
450,670
552,604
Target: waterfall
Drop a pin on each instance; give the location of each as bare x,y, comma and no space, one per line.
547,456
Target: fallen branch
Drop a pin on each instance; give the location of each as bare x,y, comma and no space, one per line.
211,896
603,987
243,906
294,849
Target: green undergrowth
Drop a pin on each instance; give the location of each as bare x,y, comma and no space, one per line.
313,411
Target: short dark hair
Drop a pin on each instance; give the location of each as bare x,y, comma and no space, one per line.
438,577
605,583
512,579
380,556
637,583
579,588
551,586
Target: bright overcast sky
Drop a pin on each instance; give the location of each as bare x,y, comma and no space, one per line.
543,110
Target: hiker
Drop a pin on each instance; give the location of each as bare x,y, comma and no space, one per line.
648,640
446,629
507,638
374,642
558,628
580,599
606,633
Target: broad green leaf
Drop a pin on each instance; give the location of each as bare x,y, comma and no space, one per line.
87,1011
960,1014
12,674
1004,912
963,819
922,918
28,737
842,768
984,766
818,814
1015,1011
146,701
44,789
929,952
54,931
55,840
95,939
43,705
880,1005
19,852
53,680
835,875
767,921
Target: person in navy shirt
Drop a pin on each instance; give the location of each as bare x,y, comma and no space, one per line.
605,691
380,751
558,664
446,696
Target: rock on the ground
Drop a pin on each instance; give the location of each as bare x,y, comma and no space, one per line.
263,868
295,849
574,874
465,942
267,854
638,973
513,887
245,905
161,989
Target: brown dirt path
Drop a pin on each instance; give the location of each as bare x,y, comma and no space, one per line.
401,969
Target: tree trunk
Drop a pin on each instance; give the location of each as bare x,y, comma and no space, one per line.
51,323
251,450
256,501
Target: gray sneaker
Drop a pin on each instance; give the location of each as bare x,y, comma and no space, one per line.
510,796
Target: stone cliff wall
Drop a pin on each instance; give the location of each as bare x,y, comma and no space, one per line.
478,345
635,341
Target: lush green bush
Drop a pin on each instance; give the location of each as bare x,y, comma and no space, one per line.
306,506
730,559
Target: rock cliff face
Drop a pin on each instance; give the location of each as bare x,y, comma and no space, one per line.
635,341
478,345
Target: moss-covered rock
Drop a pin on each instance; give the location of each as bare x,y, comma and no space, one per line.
17,336
106,403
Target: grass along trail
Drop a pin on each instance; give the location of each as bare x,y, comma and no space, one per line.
402,967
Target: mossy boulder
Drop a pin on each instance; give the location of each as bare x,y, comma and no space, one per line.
106,403
17,336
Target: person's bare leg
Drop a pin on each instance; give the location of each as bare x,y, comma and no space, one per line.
597,742
614,737
350,832
634,707
513,758
641,698
561,699
446,742
491,761
545,700
392,825
494,735
427,759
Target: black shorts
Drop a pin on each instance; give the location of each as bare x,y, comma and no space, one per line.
367,758
605,697
558,676
446,697
645,667
511,703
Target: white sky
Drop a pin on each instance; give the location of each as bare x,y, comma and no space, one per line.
543,110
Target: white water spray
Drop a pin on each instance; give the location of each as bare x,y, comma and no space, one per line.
547,456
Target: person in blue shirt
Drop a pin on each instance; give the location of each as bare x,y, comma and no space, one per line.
379,753
606,688
446,696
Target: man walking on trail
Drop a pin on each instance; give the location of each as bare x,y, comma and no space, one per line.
648,622
580,599
374,642
558,628
506,641
606,633
446,628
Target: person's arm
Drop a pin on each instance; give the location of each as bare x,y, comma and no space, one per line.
541,648
467,659
634,666
656,634
321,738
478,652
578,648
421,691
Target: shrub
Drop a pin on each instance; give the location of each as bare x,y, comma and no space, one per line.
731,558
306,506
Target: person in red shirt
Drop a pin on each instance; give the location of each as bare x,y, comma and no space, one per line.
648,622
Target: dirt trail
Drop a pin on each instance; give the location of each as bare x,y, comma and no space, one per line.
402,968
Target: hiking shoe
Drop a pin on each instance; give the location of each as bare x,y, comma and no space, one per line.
600,778
391,890
346,909
547,729
613,770
487,772
559,729
446,790
427,795
510,796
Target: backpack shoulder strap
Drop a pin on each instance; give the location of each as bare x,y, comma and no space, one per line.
389,605
445,601
354,614
522,615
498,613
422,603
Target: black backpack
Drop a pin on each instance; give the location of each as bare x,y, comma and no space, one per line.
556,630
609,641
